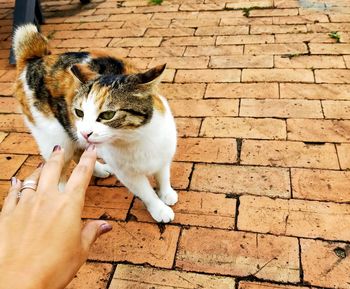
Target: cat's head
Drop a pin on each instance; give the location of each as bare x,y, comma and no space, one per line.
109,107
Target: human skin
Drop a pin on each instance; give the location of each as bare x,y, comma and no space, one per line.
43,241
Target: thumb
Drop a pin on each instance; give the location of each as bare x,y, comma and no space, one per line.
92,231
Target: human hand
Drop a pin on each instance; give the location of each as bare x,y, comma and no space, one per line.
43,243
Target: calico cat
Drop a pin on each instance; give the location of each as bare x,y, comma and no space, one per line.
79,98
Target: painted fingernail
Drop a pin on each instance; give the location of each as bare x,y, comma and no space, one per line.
104,228
91,147
56,148
40,165
13,181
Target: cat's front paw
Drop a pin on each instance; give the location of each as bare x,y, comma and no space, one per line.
169,197
161,213
102,170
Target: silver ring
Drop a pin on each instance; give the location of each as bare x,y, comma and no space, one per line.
28,185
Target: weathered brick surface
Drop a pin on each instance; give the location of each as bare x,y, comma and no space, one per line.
256,285
294,218
237,254
241,180
344,156
332,263
129,276
277,74
289,154
323,185
138,243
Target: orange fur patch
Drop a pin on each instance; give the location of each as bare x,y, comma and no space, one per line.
158,104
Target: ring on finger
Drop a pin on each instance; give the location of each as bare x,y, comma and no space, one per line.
27,185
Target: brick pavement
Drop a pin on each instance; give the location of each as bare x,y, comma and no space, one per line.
261,96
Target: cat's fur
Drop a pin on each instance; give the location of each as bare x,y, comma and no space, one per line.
138,141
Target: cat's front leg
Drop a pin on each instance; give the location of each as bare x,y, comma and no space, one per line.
139,185
166,193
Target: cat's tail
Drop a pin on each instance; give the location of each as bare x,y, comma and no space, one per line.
29,43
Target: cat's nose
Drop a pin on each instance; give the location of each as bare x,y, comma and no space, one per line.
86,134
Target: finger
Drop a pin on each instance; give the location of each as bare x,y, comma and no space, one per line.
32,180
92,231
10,201
51,172
81,175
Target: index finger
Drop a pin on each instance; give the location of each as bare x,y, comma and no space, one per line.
81,175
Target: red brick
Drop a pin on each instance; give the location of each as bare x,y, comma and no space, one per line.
182,90
4,188
200,108
277,29
244,39
251,285
130,16
242,90
315,91
180,31
30,164
12,122
241,61
332,76
196,209
300,19
127,276
265,128
303,37
347,60
309,61
332,265
64,34
19,143
134,41
194,22
107,203
3,135
49,28
280,75
344,155
222,30
328,27
137,243
289,154
336,48
281,108
201,7
318,130
250,3
12,163
241,180
188,127
6,89
214,50
237,254
273,48
245,20
80,43
273,12
9,105
181,62
10,75
175,15
156,51
336,109
206,150
208,75
157,8
299,218
122,32
189,41
321,185
114,10
91,275
99,25
90,18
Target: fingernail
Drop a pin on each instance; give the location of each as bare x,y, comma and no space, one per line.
104,228
13,181
56,148
40,165
91,147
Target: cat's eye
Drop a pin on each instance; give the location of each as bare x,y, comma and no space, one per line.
79,113
106,115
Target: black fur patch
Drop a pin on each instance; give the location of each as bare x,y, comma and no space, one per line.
107,65
68,59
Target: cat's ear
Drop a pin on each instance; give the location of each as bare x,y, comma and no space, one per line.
151,77
82,73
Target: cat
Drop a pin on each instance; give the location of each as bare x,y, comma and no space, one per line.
79,98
